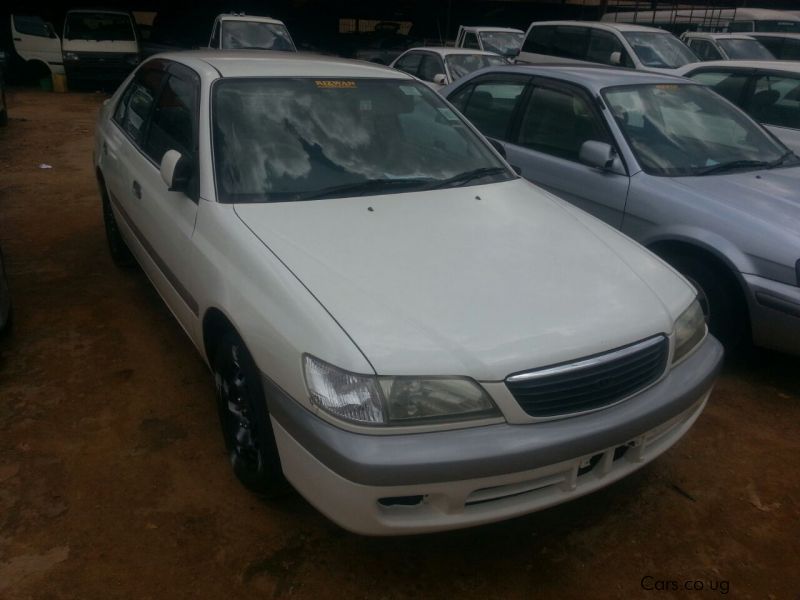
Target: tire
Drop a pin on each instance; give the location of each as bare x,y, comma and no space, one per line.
720,298
244,418
120,253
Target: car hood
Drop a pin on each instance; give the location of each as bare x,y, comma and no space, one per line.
481,281
771,196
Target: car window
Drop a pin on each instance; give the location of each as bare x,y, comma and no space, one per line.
255,35
571,42
491,106
471,41
558,122
776,101
684,130
99,26
729,85
430,66
214,43
740,26
463,64
705,50
773,44
134,109
173,121
31,25
602,48
409,63
738,49
504,43
790,49
659,50
284,140
540,40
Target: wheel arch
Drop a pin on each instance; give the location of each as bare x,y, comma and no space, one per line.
215,324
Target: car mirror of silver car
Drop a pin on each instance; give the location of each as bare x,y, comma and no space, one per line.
175,171
597,154
440,79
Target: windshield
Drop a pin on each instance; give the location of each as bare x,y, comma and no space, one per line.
464,64
778,26
739,49
278,139
660,50
505,43
256,35
99,26
679,130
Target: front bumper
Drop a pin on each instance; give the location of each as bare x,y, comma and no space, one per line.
774,314
98,67
416,483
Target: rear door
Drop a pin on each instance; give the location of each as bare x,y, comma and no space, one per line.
34,39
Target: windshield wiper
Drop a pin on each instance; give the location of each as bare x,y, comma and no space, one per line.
363,188
734,164
467,176
782,159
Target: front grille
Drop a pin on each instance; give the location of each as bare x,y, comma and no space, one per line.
590,383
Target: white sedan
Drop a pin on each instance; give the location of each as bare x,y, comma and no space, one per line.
411,334
439,66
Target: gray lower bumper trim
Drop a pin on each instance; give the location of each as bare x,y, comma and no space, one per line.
408,459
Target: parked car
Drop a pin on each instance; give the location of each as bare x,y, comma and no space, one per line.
3,104
783,46
672,165
383,48
725,46
504,41
763,20
99,46
614,44
5,298
238,31
440,66
769,91
417,338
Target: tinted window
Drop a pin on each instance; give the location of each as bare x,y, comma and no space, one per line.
256,35
558,122
471,41
504,43
740,26
464,64
282,140
737,49
571,42
136,104
409,63
659,50
790,49
172,123
430,66
31,25
214,43
98,26
540,40
705,50
491,106
773,44
778,26
602,48
727,85
776,101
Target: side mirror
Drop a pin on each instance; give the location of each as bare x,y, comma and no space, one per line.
176,171
440,79
597,154
616,58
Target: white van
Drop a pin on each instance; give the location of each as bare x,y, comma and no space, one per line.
37,44
247,32
100,46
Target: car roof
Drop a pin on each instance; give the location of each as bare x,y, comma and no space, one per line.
769,65
603,25
267,63
250,18
478,28
593,77
449,50
718,36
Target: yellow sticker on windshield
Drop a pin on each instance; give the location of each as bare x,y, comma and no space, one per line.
335,84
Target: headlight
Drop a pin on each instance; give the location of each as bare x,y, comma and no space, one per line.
370,400
71,57
690,329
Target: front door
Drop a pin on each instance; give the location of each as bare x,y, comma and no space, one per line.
34,39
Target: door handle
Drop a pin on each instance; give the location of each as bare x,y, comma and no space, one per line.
137,190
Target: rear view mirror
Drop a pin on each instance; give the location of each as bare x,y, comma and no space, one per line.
176,171
616,58
440,79
597,154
